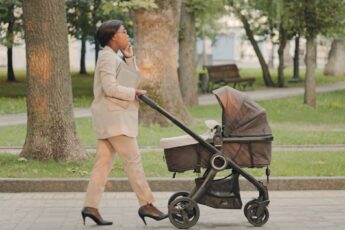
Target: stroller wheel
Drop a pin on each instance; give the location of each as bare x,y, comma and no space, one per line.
177,195
183,212
257,219
250,203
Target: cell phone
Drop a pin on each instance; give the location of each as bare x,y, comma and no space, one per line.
131,40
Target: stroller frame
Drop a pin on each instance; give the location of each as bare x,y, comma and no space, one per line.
183,209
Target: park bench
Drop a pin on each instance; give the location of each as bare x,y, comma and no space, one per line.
225,74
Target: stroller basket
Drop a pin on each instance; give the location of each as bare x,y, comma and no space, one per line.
222,193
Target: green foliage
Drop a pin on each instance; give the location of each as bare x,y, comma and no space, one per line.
207,15
308,18
313,17
114,10
280,15
84,16
325,17
80,18
132,4
11,28
264,16
252,10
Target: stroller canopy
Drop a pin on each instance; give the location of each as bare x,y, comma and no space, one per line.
241,115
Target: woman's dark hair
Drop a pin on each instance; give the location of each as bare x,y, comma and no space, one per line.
107,30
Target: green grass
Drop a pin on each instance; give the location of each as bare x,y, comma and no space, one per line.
283,164
12,89
291,122
295,123
11,105
12,95
81,85
321,79
148,136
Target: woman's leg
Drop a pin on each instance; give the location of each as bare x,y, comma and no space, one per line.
101,169
128,150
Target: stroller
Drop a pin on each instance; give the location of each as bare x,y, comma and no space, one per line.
243,140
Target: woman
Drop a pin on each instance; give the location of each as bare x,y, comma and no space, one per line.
115,119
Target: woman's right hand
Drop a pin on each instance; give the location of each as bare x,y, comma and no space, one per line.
139,92
128,51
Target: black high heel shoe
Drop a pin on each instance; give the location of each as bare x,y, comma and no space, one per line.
93,214
152,212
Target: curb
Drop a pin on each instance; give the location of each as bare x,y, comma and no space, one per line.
159,184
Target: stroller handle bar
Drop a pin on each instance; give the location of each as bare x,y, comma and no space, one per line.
155,106
209,147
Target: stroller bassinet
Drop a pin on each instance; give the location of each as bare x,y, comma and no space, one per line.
245,136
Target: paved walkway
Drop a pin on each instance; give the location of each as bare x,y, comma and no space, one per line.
206,99
302,210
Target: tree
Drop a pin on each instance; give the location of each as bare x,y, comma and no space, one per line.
96,18
187,49
51,131
295,26
10,23
278,14
277,17
198,19
282,14
80,25
207,14
246,12
320,18
296,77
336,65
268,18
156,35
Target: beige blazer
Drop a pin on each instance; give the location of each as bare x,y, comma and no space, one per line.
115,107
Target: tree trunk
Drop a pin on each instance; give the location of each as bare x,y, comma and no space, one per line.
282,44
271,61
310,83
10,39
296,60
264,67
82,56
156,32
187,71
51,131
96,5
96,51
336,59
203,55
10,72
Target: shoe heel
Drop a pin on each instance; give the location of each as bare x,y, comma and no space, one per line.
83,215
143,218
